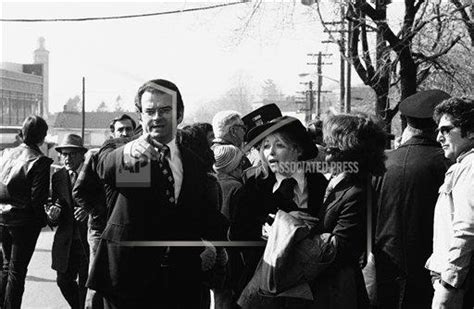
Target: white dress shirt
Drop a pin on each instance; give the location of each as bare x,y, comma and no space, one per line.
301,189
176,166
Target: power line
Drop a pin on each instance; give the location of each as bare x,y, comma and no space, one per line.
120,16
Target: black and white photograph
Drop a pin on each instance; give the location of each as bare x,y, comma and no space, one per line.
307,154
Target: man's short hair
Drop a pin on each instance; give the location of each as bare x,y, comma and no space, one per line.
223,121
123,117
34,130
461,112
153,87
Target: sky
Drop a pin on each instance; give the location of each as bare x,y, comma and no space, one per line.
204,52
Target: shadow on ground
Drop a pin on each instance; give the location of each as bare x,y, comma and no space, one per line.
38,279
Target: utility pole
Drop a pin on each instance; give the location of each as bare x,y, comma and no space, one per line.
347,104
320,84
342,49
344,92
309,112
319,90
83,107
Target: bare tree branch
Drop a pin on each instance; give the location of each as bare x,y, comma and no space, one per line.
365,48
465,17
387,32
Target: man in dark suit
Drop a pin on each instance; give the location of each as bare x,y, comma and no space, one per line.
70,248
91,195
407,197
161,202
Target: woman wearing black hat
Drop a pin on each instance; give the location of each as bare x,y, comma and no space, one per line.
280,183
24,188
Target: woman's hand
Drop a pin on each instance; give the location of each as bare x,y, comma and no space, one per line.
266,228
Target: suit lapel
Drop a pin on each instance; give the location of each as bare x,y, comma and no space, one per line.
187,172
336,194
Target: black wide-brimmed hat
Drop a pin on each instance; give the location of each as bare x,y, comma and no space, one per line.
71,141
290,125
260,116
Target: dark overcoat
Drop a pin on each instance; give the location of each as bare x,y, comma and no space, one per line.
134,273
407,196
63,237
343,215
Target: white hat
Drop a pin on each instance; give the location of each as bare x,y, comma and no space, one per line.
227,158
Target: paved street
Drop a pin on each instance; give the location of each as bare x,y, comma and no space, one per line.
41,290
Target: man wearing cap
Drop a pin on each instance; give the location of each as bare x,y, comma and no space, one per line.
406,199
161,202
70,253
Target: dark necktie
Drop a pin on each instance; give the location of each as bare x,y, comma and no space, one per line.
167,174
73,177
287,188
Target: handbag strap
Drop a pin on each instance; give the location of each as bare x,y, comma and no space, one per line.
369,215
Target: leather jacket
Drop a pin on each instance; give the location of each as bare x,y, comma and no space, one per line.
20,169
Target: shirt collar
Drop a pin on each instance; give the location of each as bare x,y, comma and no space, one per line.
298,176
336,180
174,151
461,157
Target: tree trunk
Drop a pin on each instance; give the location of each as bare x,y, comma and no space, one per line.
382,83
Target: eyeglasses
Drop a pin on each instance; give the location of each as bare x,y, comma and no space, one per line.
332,150
444,130
70,154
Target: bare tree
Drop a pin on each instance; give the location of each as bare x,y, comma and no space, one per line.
271,92
102,107
467,20
404,58
118,107
72,104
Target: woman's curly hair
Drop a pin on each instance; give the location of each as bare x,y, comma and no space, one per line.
357,138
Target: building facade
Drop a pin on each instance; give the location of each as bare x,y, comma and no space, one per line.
24,88
96,130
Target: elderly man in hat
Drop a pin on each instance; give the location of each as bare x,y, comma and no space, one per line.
406,199
70,248
162,204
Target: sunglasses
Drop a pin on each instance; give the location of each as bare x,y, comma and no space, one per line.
444,130
332,150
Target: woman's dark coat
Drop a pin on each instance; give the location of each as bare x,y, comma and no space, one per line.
254,202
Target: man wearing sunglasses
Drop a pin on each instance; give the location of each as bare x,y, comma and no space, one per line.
451,263
406,201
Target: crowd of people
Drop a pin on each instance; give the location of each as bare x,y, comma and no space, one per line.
249,211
